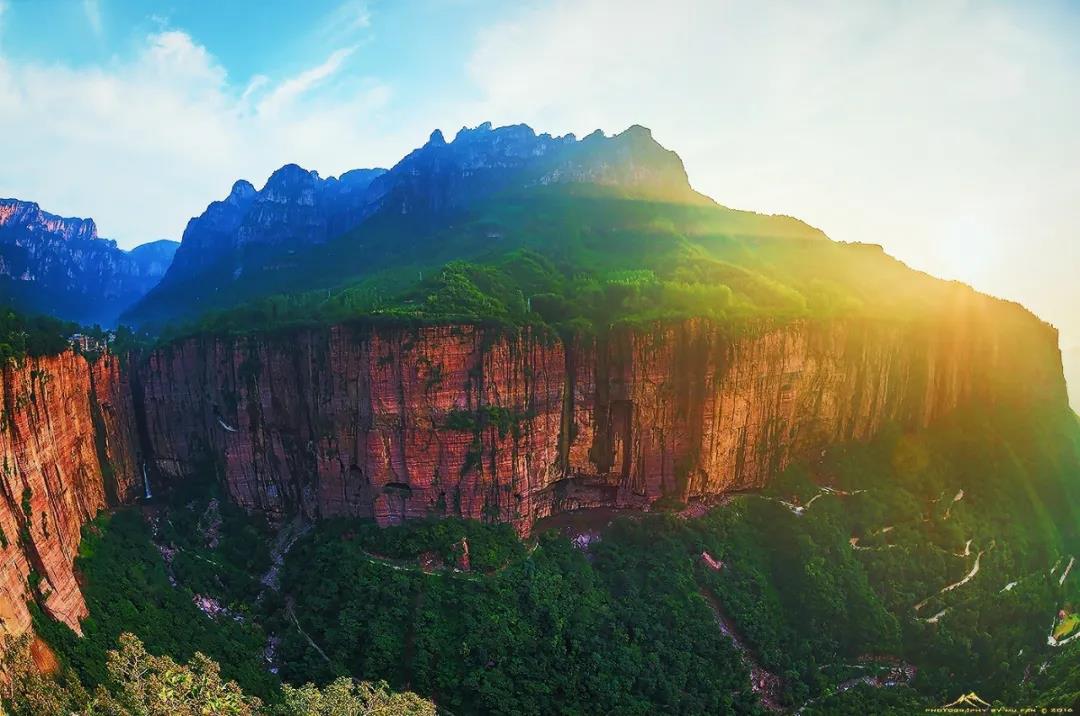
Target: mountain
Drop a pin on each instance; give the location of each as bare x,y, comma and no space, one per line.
529,426
60,266
303,232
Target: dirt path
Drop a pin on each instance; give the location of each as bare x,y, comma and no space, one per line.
800,510
854,541
900,673
296,622
948,588
970,575
1068,568
763,682
283,542
967,550
948,510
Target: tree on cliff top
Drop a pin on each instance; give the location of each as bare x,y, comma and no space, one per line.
26,691
346,697
148,685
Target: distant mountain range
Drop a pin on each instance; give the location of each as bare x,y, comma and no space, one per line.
302,232
60,266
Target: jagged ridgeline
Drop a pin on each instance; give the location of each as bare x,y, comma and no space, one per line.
541,221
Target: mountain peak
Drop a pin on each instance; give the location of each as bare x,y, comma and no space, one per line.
636,131
29,216
242,189
60,266
291,174
296,210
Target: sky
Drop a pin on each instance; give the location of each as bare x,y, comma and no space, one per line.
944,130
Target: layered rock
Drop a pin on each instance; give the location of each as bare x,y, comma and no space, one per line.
68,447
401,423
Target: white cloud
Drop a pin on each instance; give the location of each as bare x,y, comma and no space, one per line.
345,21
920,126
142,145
292,88
92,9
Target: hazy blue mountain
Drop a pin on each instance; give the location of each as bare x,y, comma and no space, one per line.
60,266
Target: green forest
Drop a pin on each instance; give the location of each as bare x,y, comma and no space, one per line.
579,262
22,335
843,605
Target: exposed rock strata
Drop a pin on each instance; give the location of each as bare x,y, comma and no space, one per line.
401,423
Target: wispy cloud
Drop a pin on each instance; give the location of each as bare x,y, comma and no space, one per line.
349,16
253,86
92,10
288,91
345,24
175,132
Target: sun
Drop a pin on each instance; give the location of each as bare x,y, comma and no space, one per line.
966,250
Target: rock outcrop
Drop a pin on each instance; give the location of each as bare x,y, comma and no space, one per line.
68,446
398,423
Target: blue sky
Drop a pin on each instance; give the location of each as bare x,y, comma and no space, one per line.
944,130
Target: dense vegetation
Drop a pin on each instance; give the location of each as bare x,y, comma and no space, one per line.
140,683
22,335
144,572
128,590
627,626
541,633
582,262
629,623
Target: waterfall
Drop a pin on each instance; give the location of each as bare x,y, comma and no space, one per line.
146,482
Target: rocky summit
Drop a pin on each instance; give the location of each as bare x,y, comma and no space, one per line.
256,242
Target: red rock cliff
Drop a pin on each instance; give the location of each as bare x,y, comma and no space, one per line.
398,423
68,451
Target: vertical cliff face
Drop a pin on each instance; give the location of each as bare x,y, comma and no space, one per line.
398,423
68,451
